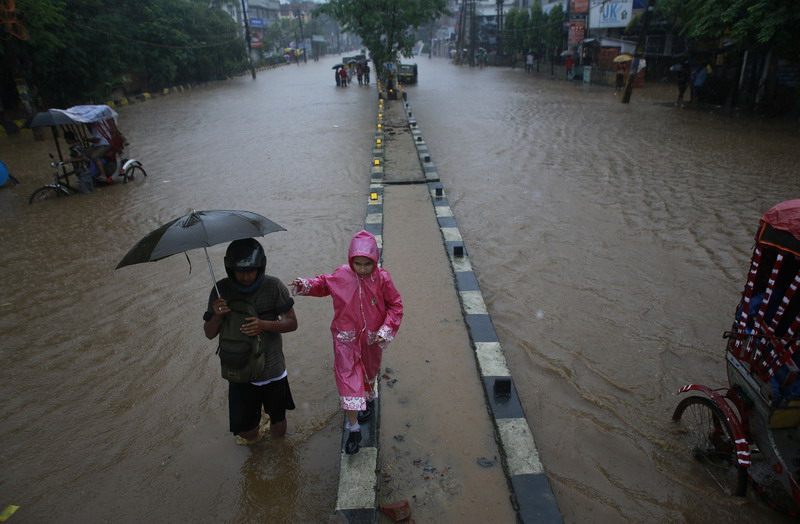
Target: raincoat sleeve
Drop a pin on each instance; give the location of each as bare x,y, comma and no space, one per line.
314,287
394,309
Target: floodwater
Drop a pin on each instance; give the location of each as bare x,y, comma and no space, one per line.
113,406
610,242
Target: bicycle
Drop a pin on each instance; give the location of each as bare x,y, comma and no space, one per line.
131,170
57,189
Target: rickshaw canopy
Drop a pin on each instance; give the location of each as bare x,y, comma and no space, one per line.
88,114
780,227
85,114
786,216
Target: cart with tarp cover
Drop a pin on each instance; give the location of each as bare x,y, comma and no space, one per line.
76,123
749,433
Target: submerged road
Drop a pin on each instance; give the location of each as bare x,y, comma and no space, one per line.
610,243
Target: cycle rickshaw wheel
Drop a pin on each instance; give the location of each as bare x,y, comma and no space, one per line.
710,440
46,193
134,174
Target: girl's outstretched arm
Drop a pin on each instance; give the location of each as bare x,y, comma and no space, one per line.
314,287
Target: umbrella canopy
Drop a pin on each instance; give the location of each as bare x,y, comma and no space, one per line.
337,66
352,61
198,229
676,67
568,52
51,117
624,57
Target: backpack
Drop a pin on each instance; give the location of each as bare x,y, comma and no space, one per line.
241,357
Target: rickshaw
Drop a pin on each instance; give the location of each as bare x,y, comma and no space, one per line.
407,73
76,123
749,433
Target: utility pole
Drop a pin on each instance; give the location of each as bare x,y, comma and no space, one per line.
299,15
247,38
462,28
626,95
499,28
473,33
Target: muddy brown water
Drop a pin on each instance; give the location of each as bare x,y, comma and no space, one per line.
610,242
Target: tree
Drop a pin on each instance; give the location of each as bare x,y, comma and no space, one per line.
78,51
746,23
515,30
753,33
387,27
538,26
33,24
552,34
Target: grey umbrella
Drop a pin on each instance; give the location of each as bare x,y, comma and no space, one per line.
48,118
198,229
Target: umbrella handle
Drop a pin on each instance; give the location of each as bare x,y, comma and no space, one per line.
210,268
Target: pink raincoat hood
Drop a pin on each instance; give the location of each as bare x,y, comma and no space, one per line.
363,244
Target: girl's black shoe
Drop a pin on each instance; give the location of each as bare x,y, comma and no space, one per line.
352,444
367,413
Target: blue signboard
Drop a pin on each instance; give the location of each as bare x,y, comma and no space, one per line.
257,22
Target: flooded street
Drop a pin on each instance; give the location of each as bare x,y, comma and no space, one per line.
610,241
114,408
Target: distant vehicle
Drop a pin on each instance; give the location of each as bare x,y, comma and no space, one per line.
407,73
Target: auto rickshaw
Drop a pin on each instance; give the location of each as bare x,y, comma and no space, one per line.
407,73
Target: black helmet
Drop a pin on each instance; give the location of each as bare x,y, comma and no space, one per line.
245,255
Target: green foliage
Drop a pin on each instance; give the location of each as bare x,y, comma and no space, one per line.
516,30
525,31
553,30
82,49
386,27
746,23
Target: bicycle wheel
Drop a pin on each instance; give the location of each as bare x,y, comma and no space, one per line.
134,174
710,440
46,193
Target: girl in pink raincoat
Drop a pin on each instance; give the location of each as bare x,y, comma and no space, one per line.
367,314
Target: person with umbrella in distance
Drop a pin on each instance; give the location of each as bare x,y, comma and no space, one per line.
251,308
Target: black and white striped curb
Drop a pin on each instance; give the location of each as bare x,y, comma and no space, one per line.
356,500
530,488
